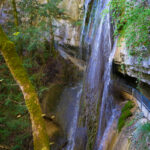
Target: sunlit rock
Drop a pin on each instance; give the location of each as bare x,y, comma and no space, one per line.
130,65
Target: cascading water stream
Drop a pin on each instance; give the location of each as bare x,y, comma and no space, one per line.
110,127
84,20
107,78
73,125
98,35
86,4
95,32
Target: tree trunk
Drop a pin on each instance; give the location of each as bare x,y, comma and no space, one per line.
16,20
14,63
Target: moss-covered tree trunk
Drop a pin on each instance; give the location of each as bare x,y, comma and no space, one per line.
16,20
14,63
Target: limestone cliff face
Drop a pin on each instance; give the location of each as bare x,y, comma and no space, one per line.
4,12
66,31
72,8
129,65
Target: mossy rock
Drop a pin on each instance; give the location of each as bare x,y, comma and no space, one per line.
125,114
127,106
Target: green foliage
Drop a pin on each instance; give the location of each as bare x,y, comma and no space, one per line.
130,123
28,7
121,124
15,127
32,40
127,106
14,119
141,137
50,9
131,52
145,128
29,40
132,20
123,68
125,113
35,27
77,23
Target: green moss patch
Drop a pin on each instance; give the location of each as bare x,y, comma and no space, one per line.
125,114
127,106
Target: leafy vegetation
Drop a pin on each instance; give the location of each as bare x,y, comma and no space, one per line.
31,32
133,22
141,137
125,113
20,75
14,119
127,106
35,29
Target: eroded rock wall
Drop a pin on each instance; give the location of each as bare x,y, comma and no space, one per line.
68,30
129,64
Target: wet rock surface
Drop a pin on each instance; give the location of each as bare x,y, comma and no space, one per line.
80,139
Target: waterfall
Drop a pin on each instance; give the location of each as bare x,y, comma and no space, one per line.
97,32
86,4
97,36
105,103
73,125
84,20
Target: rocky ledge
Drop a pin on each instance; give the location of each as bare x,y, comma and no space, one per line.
129,64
